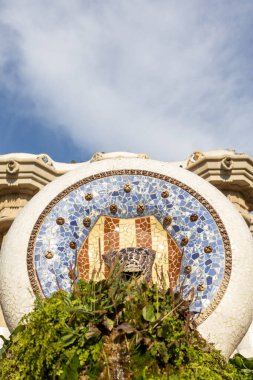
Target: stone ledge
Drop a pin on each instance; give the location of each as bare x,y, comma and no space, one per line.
229,172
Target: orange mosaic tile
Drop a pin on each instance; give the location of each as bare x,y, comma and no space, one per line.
111,237
143,233
175,256
111,234
83,264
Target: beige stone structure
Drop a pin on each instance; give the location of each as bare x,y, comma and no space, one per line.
231,173
24,175
21,177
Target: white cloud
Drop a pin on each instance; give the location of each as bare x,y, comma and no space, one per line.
163,77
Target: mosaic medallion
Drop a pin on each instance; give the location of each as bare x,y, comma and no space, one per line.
122,213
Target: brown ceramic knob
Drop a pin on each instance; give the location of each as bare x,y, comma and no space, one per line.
187,269
140,208
127,188
49,255
87,222
167,221
72,245
88,197
60,221
165,194
194,217
184,242
201,287
113,208
208,249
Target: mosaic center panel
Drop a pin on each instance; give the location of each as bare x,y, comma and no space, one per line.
112,235
135,213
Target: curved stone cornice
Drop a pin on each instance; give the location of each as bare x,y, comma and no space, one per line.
226,171
22,176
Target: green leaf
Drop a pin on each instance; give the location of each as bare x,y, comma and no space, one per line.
70,370
148,313
69,339
4,339
17,330
248,363
237,361
5,346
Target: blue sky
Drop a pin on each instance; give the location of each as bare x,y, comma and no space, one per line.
165,77
49,141
17,134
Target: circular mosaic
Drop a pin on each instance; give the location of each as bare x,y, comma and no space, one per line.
161,226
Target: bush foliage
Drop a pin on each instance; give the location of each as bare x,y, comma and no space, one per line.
111,329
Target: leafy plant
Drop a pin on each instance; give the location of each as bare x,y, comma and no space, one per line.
112,329
243,364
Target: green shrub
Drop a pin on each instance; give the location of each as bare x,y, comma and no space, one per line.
112,329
